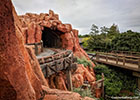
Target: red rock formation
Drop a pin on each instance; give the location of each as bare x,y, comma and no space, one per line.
17,79
20,75
80,75
54,94
33,24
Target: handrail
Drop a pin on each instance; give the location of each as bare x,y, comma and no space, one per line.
116,58
126,52
47,59
36,46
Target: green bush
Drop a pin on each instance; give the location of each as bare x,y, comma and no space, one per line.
115,80
84,92
84,61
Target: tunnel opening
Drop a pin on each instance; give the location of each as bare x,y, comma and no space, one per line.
51,38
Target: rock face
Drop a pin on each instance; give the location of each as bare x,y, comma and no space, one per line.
34,25
54,94
17,78
82,74
20,74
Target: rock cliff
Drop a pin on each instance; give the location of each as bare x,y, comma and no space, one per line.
20,74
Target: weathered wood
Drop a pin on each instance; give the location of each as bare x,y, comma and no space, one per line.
102,85
97,56
117,59
136,74
42,46
106,58
139,63
123,60
56,63
69,80
36,49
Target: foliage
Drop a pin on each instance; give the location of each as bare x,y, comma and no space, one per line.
115,80
94,30
108,39
85,42
127,41
84,93
84,61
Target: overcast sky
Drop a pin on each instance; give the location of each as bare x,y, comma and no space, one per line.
83,13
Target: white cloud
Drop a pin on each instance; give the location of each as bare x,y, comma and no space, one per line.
83,13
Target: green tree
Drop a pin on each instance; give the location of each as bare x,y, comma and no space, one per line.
127,41
94,30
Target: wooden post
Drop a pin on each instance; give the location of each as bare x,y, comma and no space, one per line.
124,60
97,56
139,63
69,81
68,75
117,59
106,58
36,49
102,85
41,46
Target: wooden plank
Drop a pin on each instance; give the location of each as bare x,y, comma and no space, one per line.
42,46
123,60
69,80
106,58
117,58
139,63
36,49
102,85
136,74
119,65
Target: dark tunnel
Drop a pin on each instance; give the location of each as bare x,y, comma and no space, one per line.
51,38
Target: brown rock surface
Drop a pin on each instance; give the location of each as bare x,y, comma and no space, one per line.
17,79
20,74
54,94
82,74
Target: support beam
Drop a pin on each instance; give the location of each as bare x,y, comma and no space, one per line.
69,80
36,49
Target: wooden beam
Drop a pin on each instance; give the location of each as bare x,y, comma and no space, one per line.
41,46
69,80
102,85
117,58
139,63
36,49
136,74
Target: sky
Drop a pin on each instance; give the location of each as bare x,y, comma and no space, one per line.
83,13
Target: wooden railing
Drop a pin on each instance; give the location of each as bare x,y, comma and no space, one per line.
130,53
37,46
121,60
54,64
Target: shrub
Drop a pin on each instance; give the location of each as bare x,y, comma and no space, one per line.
84,92
115,80
84,61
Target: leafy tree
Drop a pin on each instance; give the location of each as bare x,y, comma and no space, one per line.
127,41
94,30
111,39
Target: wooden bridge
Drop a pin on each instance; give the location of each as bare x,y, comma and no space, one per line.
126,61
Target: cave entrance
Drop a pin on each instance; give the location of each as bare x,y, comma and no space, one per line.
51,38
